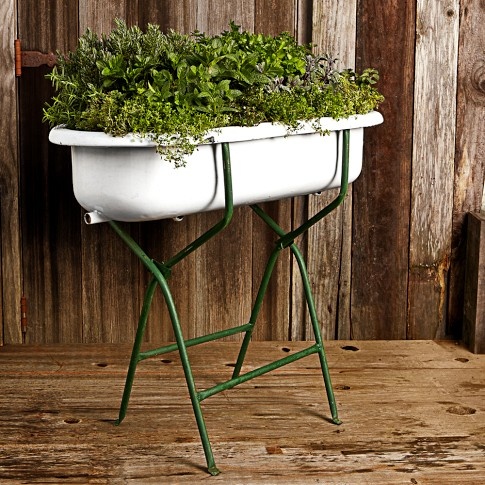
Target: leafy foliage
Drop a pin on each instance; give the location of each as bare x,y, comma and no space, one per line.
173,88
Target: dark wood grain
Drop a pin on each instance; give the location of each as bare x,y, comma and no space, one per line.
169,14
274,319
222,297
110,297
469,175
162,240
51,238
382,193
10,230
474,287
281,19
48,25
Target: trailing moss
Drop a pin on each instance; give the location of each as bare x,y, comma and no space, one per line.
173,88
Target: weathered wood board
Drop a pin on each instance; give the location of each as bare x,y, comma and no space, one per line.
469,173
329,257
381,196
413,413
10,231
437,32
474,308
388,264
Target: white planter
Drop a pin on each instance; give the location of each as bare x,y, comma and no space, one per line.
125,179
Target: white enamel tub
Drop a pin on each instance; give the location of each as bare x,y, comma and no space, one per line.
125,179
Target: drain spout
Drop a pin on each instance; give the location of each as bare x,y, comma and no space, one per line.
95,217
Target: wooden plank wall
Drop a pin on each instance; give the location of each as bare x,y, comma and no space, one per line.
387,265
329,257
432,169
380,238
470,144
10,254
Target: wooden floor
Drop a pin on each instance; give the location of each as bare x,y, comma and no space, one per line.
413,413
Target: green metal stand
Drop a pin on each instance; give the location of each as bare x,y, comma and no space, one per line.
162,271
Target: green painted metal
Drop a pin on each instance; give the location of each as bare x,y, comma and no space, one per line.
224,386
224,222
135,353
194,341
161,271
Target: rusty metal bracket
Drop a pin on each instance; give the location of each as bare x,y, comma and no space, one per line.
31,58
23,317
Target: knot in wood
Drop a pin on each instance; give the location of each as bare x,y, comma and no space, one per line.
478,76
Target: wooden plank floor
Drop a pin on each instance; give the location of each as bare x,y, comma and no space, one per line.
413,413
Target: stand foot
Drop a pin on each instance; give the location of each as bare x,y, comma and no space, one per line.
214,471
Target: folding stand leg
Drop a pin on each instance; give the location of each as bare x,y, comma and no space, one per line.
161,271
137,355
318,335
287,240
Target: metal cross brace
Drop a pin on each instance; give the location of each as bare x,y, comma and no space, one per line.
162,270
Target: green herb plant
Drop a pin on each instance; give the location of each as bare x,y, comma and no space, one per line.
174,88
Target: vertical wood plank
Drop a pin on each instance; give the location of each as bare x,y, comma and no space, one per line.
223,266
274,319
470,146
11,280
433,166
212,287
329,243
381,196
304,21
223,275
474,300
214,16
110,292
110,303
275,16
50,237
169,14
298,310
99,15
334,29
58,29
163,239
